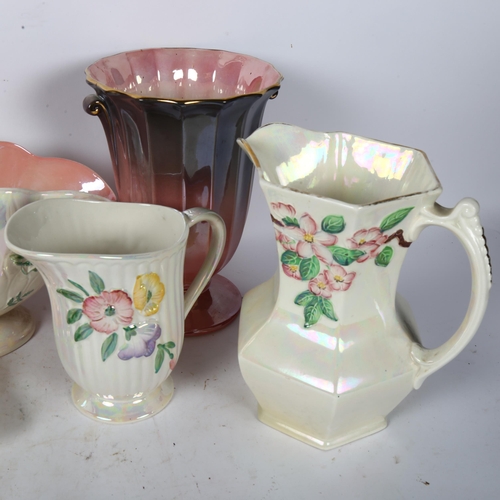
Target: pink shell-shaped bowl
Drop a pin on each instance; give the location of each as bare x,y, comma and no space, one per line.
25,178
23,170
183,74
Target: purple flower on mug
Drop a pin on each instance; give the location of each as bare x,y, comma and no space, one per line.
310,240
141,341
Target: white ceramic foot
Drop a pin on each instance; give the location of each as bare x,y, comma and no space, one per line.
16,328
113,411
340,439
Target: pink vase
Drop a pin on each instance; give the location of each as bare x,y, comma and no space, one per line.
171,118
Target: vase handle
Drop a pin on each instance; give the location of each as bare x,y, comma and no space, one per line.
95,106
217,242
463,221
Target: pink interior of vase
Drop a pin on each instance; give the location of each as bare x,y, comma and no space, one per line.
180,74
21,169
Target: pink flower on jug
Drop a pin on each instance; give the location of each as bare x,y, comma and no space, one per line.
286,242
335,279
283,210
367,240
322,285
142,341
108,311
310,240
292,270
341,279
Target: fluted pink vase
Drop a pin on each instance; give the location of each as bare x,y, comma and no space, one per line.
171,118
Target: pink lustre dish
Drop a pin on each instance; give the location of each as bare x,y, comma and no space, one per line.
22,170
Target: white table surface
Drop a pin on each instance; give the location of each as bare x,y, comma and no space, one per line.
442,442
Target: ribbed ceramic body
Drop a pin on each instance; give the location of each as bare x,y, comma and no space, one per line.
120,378
114,273
173,141
326,346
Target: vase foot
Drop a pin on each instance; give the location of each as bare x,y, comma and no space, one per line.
335,441
216,307
115,411
16,328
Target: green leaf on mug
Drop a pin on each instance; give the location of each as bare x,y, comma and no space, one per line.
290,258
312,313
83,332
80,287
345,256
109,346
75,297
73,316
96,283
160,356
327,309
305,298
309,268
333,224
395,218
289,221
384,257
170,345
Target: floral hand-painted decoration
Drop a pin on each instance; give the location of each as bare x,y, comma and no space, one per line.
312,253
112,313
25,265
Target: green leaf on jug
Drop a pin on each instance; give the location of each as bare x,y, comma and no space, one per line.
96,283
83,332
333,224
80,287
160,356
170,345
75,297
395,218
73,316
305,298
312,313
384,257
290,258
290,221
309,268
327,309
345,256
109,346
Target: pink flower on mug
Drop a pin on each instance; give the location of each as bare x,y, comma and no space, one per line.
310,240
292,270
286,242
341,279
283,210
108,311
322,285
142,341
367,240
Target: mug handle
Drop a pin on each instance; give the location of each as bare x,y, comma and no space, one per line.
217,242
463,221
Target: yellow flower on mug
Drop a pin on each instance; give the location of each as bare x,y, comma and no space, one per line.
148,293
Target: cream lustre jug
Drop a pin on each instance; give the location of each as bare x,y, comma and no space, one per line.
326,346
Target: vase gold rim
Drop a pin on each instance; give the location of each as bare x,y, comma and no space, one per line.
93,82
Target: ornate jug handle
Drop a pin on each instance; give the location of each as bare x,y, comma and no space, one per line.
463,221
217,242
